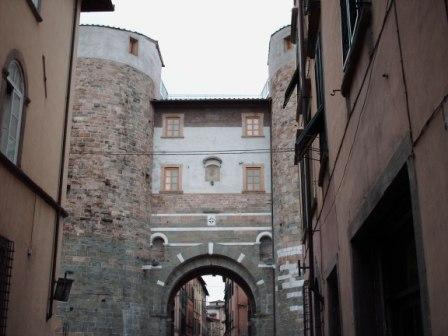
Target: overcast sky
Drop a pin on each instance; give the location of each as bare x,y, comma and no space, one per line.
215,287
208,46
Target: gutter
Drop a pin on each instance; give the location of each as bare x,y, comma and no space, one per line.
62,161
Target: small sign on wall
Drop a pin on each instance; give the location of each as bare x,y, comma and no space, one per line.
211,220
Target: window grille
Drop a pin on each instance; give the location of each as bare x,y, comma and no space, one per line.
6,254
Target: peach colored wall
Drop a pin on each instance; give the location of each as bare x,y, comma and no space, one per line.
375,124
43,131
24,217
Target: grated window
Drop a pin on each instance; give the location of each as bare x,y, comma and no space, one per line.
6,254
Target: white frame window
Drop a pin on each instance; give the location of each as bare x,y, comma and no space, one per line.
12,111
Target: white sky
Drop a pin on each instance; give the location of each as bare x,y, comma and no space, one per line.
208,46
215,287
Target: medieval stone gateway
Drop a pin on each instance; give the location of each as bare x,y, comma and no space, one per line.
162,190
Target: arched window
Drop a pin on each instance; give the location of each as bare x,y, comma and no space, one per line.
158,249
266,249
212,169
11,116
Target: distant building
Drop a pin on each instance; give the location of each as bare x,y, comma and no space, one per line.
237,310
215,326
216,317
190,317
38,41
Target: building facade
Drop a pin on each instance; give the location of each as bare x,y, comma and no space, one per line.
237,310
38,41
160,191
190,315
372,89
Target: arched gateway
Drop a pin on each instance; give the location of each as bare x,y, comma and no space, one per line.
141,224
255,281
260,319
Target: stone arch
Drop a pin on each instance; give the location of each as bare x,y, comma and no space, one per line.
203,264
158,235
210,264
263,234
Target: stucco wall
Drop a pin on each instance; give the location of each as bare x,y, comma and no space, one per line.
396,90
25,218
113,44
217,139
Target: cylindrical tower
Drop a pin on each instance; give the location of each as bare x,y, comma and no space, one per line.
285,186
106,237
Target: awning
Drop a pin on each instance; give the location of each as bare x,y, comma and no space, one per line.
97,6
306,136
291,86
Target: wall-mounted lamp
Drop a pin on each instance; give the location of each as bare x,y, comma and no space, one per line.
63,287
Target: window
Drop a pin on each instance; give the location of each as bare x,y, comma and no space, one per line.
173,126
253,125
266,249
349,15
12,110
133,46
6,250
287,43
253,178
171,178
158,249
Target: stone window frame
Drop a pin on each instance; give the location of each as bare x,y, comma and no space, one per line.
179,179
247,167
165,125
245,117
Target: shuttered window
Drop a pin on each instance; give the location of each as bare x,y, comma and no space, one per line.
12,111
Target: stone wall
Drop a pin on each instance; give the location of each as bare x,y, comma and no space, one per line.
106,234
285,190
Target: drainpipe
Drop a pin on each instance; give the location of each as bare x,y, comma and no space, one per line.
305,164
62,161
274,310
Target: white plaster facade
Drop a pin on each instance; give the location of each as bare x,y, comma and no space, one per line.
213,139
